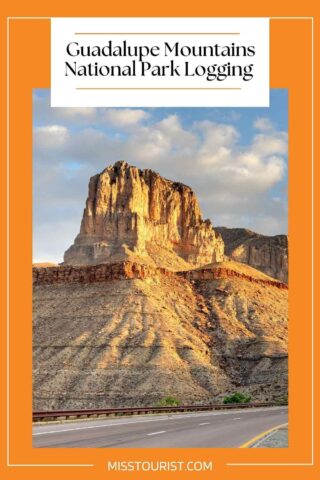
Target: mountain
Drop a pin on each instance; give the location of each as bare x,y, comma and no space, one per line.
145,305
266,253
137,214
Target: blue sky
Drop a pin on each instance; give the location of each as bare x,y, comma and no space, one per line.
235,159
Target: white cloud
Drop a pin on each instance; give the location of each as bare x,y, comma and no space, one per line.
270,144
125,117
218,141
51,136
81,112
159,142
263,123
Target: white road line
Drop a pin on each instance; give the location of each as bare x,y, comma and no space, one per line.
96,426
238,418
205,423
174,417
118,424
157,433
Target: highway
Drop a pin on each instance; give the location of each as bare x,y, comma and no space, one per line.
179,430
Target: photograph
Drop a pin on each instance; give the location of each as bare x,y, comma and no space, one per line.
160,276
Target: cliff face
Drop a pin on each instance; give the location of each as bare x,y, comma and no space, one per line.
137,213
268,254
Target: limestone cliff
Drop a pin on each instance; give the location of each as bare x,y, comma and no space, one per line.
268,254
132,213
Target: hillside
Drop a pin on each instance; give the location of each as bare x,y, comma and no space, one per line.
146,305
136,335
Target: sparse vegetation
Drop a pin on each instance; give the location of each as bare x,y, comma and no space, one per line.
237,397
168,401
282,399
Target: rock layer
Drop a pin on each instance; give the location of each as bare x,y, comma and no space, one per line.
269,254
129,270
137,213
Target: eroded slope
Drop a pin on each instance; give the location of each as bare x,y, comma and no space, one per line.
125,341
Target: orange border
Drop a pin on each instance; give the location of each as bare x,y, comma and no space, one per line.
30,68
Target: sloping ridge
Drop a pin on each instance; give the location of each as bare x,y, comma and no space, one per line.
269,254
134,335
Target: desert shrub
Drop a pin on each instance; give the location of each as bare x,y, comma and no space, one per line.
282,399
168,401
237,397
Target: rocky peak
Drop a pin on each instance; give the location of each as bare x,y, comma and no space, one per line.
132,212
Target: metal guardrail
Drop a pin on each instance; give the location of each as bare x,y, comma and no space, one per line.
64,414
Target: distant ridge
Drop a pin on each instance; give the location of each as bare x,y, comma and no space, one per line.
269,254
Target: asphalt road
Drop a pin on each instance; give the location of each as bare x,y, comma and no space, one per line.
203,430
